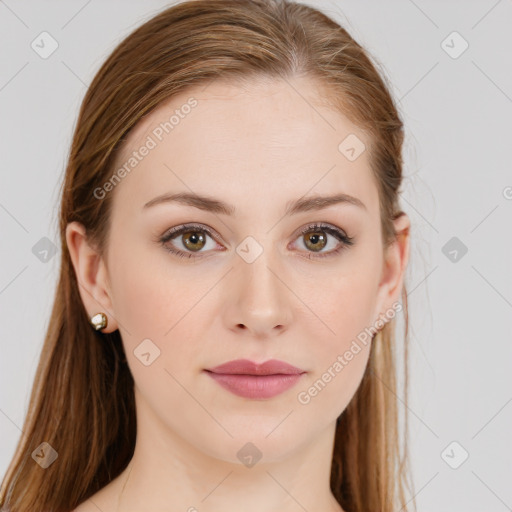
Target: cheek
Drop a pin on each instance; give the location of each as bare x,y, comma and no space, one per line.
157,324
338,363
154,299
141,299
346,296
346,307
148,289
327,393
345,304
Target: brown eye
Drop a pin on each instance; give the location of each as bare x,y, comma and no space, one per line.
317,237
315,240
193,240
189,241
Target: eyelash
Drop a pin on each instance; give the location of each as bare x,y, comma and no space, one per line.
345,240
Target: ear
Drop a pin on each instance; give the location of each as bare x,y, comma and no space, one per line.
91,273
393,269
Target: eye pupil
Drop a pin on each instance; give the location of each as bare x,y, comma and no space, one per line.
315,237
195,238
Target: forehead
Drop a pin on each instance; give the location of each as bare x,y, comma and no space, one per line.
231,140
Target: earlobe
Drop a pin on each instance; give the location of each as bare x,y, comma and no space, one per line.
91,274
394,265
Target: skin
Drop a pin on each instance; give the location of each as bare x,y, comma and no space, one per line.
255,147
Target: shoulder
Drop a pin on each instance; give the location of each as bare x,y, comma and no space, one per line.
86,506
103,501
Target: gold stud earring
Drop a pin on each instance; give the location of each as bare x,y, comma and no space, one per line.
99,321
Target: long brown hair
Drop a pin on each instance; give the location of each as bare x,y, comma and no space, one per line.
82,401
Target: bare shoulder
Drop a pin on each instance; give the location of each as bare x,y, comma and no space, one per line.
91,505
86,506
103,501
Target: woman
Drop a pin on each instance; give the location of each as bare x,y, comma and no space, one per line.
233,258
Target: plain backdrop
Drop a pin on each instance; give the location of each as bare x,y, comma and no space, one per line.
449,68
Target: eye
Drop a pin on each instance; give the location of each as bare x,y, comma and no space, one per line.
315,237
193,239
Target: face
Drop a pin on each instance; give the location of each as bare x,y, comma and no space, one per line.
264,280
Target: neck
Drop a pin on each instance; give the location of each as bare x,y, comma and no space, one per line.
168,473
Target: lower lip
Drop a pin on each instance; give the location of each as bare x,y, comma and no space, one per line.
255,386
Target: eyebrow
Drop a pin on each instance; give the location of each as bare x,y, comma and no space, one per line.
210,204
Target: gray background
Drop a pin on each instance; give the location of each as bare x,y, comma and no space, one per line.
457,191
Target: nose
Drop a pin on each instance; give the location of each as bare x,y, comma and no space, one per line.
259,300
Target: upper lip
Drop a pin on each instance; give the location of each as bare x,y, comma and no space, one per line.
247,367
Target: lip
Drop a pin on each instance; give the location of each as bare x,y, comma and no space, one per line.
252,380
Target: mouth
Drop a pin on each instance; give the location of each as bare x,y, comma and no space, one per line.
257,381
